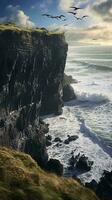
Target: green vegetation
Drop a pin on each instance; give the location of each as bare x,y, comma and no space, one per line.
22,179
15,28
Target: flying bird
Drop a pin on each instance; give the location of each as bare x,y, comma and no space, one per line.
55,17
85,16
78,18
72,12
47,15
75,8
61,16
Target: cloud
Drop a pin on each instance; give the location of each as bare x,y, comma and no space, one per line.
65,5
79,36
103,9
43,6
16,15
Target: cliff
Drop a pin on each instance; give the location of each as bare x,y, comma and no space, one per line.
32,66
22,179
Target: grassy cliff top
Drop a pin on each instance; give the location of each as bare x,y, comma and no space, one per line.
22,179
15,28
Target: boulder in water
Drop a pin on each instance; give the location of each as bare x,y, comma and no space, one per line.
57,139
84,164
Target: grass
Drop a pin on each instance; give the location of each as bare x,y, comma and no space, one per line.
15,28
22,179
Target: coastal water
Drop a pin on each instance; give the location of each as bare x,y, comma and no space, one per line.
90,115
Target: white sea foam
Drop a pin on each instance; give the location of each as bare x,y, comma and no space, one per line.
73,124
91,97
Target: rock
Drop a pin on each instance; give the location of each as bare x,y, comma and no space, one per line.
84,164
68,93
92,185
104,188
2,123
57,139
54,165
66,141
48,143
73,160
58,144
49,137
70,139
48,140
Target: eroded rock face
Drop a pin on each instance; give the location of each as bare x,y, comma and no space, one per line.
31,75
104,188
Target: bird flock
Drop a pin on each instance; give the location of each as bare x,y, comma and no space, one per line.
73,12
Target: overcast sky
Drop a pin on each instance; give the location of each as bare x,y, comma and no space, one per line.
96,29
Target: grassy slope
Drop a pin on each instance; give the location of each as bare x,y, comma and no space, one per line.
15,28
22,179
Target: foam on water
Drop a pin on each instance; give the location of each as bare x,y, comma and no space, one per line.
87,143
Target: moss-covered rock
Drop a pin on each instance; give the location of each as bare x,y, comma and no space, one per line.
22,179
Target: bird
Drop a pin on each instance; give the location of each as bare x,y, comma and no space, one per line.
55,17
85,16
72,12
47,15
61,16
78,18
75,8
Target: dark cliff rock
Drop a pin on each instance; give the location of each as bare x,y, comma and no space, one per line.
32,66
68,91
104,188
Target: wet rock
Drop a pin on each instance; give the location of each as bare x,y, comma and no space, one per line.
58,144
48,143
57,139
92,185
48,140
84,164
68,93
73,160
70,139
66,141
49,137
54,165
104,188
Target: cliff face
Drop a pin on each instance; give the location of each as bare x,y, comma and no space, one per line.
31,75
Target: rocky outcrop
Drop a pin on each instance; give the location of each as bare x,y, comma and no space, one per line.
32,66
104,188
68,91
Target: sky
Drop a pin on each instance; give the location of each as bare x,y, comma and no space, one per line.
95,29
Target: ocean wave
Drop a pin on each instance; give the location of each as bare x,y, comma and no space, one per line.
92,65
90,134
91,97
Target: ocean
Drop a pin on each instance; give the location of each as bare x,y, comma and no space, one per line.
90,115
